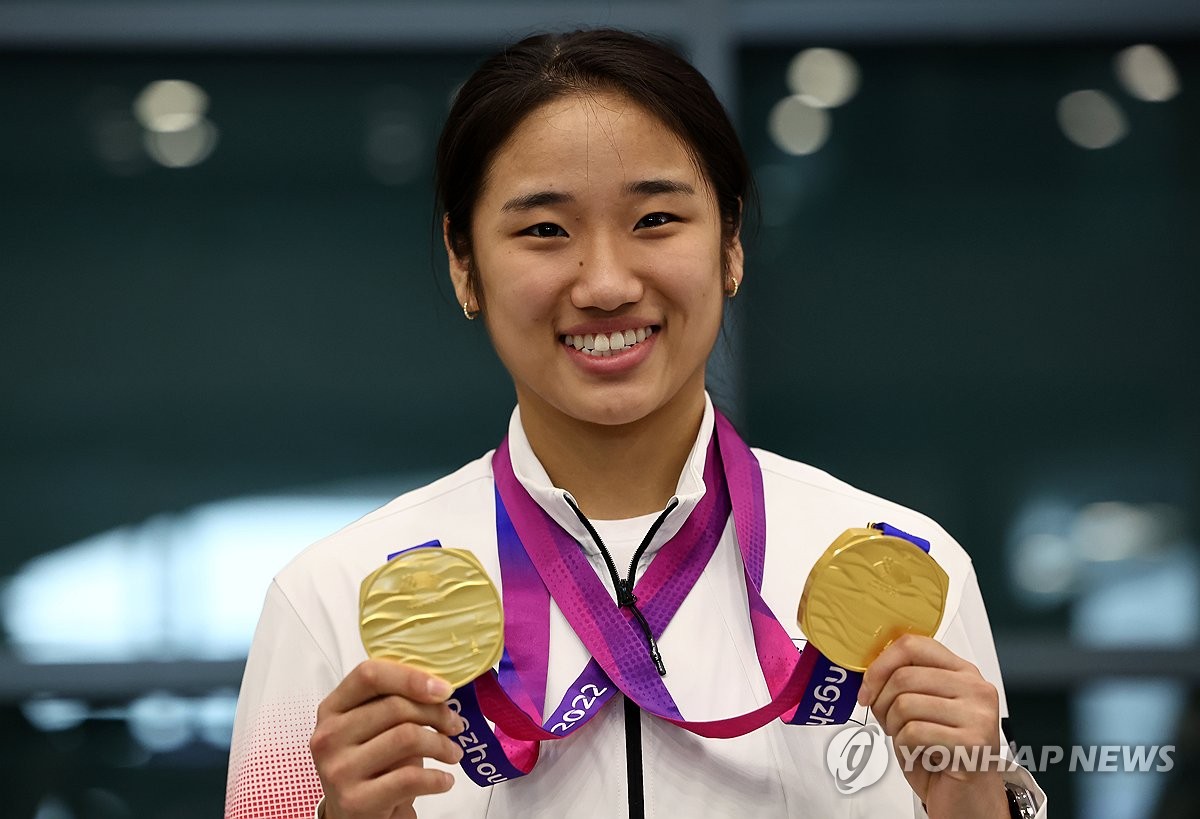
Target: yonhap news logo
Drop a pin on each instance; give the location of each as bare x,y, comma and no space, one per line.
857,756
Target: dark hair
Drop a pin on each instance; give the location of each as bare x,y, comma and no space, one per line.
513,83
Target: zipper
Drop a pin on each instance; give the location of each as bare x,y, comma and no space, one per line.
626,599
633,759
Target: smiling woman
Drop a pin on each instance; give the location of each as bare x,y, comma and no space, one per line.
592,188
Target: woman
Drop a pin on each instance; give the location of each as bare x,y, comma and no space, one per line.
593,190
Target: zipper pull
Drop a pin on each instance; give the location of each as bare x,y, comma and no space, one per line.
651,643
658,661
625,596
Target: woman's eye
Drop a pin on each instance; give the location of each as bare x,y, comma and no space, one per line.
653,220
545,230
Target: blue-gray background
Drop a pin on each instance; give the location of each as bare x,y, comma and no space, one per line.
948,303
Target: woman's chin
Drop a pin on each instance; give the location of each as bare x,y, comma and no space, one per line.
618,406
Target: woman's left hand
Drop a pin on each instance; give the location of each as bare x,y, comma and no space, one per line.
926,696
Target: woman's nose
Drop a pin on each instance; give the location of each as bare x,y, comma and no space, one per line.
606,277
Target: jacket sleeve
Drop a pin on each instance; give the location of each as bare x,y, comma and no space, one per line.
271,772
969,635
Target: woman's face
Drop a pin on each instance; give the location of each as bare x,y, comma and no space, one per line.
595,230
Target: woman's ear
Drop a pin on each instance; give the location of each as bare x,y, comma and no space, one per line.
460,271
737,258
735,254
734,267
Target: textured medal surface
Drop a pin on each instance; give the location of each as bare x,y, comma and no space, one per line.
435,609
866,591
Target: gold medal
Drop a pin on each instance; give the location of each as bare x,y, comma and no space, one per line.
866,591
434,609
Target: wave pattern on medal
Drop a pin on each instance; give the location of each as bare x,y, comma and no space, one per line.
434,609
868,597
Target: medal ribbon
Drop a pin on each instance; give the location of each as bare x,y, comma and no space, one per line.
539,560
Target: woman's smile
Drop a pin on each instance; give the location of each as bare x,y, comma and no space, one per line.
606,344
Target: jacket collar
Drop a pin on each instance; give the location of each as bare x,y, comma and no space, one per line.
532,475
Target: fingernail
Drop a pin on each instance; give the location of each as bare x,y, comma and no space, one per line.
862,696
438,688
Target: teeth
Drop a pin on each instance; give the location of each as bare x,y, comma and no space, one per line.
606,345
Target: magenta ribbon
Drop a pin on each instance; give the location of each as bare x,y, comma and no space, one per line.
540,560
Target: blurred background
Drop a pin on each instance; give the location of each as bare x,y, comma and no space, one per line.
225,331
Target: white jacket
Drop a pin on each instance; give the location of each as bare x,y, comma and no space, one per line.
307,641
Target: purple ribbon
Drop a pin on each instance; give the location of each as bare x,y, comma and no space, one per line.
538,559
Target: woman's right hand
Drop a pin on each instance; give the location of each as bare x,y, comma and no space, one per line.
373,736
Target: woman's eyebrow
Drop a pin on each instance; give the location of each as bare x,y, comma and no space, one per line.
653,187
645,187
541,199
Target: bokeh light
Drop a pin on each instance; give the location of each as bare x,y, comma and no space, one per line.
177,134
394,144
1146,73
823,77
1046,565
161,722
55,713
184,148
798,128
1091,119
170,105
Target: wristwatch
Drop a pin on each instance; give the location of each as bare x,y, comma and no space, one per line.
1020,801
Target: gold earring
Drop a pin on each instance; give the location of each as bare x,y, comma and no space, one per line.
469,313
731,286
